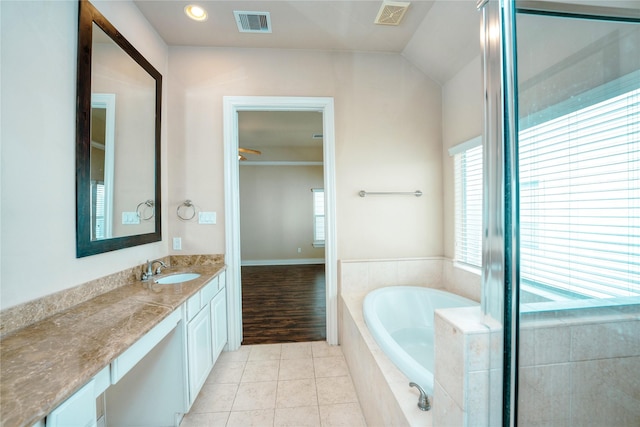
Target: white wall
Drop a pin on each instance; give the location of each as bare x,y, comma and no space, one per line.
38,133
462,119
388,138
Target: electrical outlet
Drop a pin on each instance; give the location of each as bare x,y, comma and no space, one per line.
177,243
299,250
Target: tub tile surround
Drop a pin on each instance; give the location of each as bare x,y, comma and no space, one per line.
466,367
46,361
20,316
383,390
463,281
363,276
584,354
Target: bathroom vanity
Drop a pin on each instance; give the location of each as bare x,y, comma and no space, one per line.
137,355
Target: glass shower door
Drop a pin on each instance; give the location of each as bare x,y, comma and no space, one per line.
577,180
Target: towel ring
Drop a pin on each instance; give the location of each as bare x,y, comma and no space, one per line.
147,204
186,204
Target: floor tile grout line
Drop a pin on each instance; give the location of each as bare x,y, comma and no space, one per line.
235,396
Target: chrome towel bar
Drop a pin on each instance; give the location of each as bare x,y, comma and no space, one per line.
416,193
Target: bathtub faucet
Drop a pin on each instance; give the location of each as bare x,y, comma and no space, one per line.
423,400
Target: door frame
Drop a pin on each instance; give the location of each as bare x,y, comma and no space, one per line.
231,106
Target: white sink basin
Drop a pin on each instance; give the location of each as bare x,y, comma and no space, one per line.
177,278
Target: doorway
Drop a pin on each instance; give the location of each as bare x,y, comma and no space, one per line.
282,226
232,106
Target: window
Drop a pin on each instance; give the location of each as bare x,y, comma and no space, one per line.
579,191
580,199
468,202
318,217
97,210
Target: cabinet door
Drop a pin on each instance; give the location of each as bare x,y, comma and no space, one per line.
199,354
77,411
219,322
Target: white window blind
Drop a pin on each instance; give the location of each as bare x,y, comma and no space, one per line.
98,208
318,216
580,200
468,202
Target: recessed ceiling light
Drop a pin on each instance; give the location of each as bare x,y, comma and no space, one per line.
195,12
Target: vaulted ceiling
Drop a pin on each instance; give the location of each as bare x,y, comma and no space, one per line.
438,36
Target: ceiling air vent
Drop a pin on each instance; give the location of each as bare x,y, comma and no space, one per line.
391,12
253,22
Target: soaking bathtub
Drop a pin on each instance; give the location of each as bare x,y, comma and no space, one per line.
400,319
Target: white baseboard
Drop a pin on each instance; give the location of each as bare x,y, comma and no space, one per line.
294,261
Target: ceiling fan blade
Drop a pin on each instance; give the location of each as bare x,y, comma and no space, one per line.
241,157
249,151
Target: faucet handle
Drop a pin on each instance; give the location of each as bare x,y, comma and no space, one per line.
423,400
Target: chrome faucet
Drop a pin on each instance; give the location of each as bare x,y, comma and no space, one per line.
423,400
147,274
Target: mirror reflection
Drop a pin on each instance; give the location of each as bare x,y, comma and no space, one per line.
118,140
102,168
122,172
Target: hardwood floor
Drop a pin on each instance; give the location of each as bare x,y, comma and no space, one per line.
283,303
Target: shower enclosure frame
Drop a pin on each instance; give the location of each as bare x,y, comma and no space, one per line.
500,251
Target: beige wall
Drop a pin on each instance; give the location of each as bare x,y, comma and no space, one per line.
38,106
462,120
276,212
388,138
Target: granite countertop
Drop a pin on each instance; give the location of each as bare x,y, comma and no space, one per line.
45,363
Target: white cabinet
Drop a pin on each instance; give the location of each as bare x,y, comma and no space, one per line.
219,322
79,410
157,379
199,357
206,314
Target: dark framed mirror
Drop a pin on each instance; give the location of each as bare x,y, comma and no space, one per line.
118,122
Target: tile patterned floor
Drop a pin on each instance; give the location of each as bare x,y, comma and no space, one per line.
293,384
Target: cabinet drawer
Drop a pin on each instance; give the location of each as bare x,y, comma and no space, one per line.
193,306
102,380
135,353
208,292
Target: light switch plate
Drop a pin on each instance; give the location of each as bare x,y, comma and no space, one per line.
206,217
130,218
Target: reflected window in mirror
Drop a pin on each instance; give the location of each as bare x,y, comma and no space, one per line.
102,164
